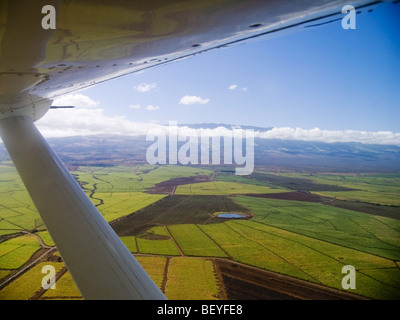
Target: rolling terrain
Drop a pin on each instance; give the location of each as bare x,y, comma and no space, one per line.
269,154
298,228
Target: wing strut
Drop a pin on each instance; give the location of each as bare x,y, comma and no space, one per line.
100,264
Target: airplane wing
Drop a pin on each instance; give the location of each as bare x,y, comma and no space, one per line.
46,52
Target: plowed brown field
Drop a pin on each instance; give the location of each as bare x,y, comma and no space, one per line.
241,282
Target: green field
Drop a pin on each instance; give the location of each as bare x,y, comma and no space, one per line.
177,209
131,179
296,181
367,233
364,196
383,189
194,242
224,188
46,238
290,253
17,212
176,237
118,204
156,241
15,252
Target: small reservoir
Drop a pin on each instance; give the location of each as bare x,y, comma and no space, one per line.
231,215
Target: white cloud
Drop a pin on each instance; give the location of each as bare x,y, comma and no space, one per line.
135,106
77,100
86,119
193,100
152,108
79,121
316,134
235,86
145,87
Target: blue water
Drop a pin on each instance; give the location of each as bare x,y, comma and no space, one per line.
231,215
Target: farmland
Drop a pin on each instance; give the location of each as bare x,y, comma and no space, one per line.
377,235
177,209
224,188
382,189
16,251
298,228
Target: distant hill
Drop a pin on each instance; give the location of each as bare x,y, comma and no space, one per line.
269,153
224,125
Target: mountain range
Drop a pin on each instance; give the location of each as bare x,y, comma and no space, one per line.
107,150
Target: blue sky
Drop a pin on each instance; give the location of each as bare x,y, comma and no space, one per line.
323,77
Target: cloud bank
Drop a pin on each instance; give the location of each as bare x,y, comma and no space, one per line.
76,100
149,107
316,134
88,119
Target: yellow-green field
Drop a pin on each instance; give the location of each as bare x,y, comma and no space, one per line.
363,196
27,284
156,241
17,211
383,189
224,188
119,204
15,252
194,242
198,272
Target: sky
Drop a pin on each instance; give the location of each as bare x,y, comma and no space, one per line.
324,83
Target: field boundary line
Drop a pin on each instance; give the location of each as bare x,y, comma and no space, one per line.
323,240
320,252
296,241
222,295
173,239
273,252
396,248
165,278
385,224
208,236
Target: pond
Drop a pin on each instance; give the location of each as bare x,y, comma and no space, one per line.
231,215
